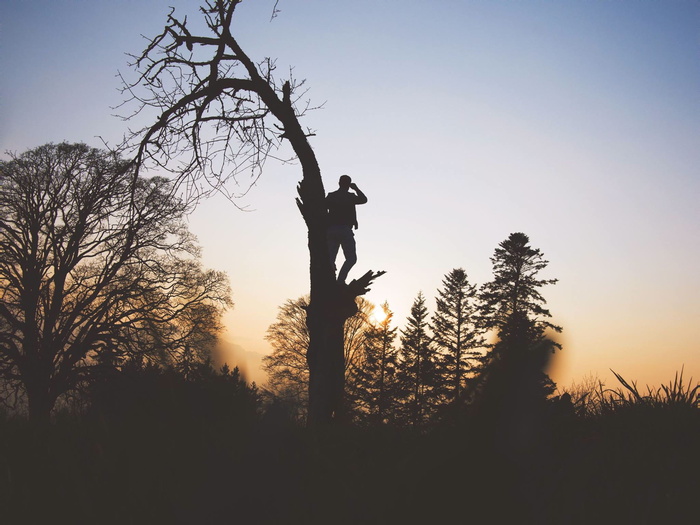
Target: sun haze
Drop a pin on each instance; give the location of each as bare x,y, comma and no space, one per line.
574,122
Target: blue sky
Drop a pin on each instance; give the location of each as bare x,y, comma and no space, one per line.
576,122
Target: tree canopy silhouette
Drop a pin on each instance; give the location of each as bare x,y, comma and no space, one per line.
513,384
417,371
287,368
457,334
514,290
216,114
374,387
94,266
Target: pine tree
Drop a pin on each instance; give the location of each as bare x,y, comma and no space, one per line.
457,334
511,302
374,381
417,371
513,374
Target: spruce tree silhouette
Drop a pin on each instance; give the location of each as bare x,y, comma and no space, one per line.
457,333
512,383
417,371
374,387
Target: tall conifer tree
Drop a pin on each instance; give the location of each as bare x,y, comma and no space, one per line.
513,295
457,335
374,382
417,370
514,371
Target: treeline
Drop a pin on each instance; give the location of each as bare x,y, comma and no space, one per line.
437,364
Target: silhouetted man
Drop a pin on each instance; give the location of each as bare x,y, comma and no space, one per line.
342,218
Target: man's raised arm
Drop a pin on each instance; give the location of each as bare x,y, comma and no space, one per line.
361,197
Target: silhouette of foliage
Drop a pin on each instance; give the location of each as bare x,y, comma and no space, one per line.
456,333
94,266
512,385
168,448
374,384
417,370
141,391
287,367
512,304
513,294
593,399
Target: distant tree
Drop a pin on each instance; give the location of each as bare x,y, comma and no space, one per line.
417,371
287,366
143,391
94,266
512,382
216,114
374,380
513,295
456,332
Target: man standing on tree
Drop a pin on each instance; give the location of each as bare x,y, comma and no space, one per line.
341,220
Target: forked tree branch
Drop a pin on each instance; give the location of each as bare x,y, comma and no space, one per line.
218,115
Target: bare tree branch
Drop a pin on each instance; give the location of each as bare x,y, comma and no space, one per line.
217,113
93,266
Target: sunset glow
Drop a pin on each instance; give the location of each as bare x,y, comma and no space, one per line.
574,122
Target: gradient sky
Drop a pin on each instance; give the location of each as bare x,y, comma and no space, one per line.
576,122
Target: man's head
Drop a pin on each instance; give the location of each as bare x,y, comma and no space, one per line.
344,182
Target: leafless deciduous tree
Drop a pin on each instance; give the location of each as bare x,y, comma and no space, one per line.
94,265
287,368
217,114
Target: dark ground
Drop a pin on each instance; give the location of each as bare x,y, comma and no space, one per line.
638,465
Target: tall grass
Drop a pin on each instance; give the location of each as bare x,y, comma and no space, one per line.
592,398
675,394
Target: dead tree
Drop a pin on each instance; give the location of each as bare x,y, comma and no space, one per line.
218,115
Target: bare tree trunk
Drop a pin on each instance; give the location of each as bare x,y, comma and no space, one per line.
326,318
328,308
40,400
